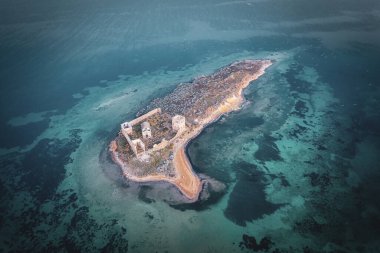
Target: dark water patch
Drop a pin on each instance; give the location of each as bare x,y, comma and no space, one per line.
43,167
297,131
249,242
321,147
349,149
322,180
25,232
116,244
82,230
362,126
35,225
339,140
309,162
308,249
13,136
247,201
307,123
73,198
284,181
149,215
296,85
268,150
300,109
353,74
371,123
320,144
249,122
343,213
143,194
308,225
3,208
64,200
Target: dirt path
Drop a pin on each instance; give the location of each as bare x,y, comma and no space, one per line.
189,183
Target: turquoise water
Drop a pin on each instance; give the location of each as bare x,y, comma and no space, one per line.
299,160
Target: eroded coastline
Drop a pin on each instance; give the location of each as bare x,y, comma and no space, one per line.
152,147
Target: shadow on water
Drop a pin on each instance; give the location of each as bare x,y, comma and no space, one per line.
142,195
247,201
268,150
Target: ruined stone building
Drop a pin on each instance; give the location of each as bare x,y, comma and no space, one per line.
137,145
146,130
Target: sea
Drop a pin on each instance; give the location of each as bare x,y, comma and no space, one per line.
300,160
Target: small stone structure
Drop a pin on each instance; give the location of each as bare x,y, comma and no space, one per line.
126,130
178,122
145,130
127,127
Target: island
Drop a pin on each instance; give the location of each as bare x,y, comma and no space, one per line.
152,146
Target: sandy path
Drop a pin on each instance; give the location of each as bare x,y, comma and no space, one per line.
186,181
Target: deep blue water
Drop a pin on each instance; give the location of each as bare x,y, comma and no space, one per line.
299,160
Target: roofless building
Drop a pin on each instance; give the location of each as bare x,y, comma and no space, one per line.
146,130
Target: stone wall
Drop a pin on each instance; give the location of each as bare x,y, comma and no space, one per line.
145,116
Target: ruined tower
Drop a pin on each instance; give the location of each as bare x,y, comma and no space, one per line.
145,130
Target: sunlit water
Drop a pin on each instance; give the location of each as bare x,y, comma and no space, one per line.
300,159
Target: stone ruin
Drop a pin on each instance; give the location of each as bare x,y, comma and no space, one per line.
145,130
137,145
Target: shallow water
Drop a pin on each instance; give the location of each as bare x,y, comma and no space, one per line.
300,159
